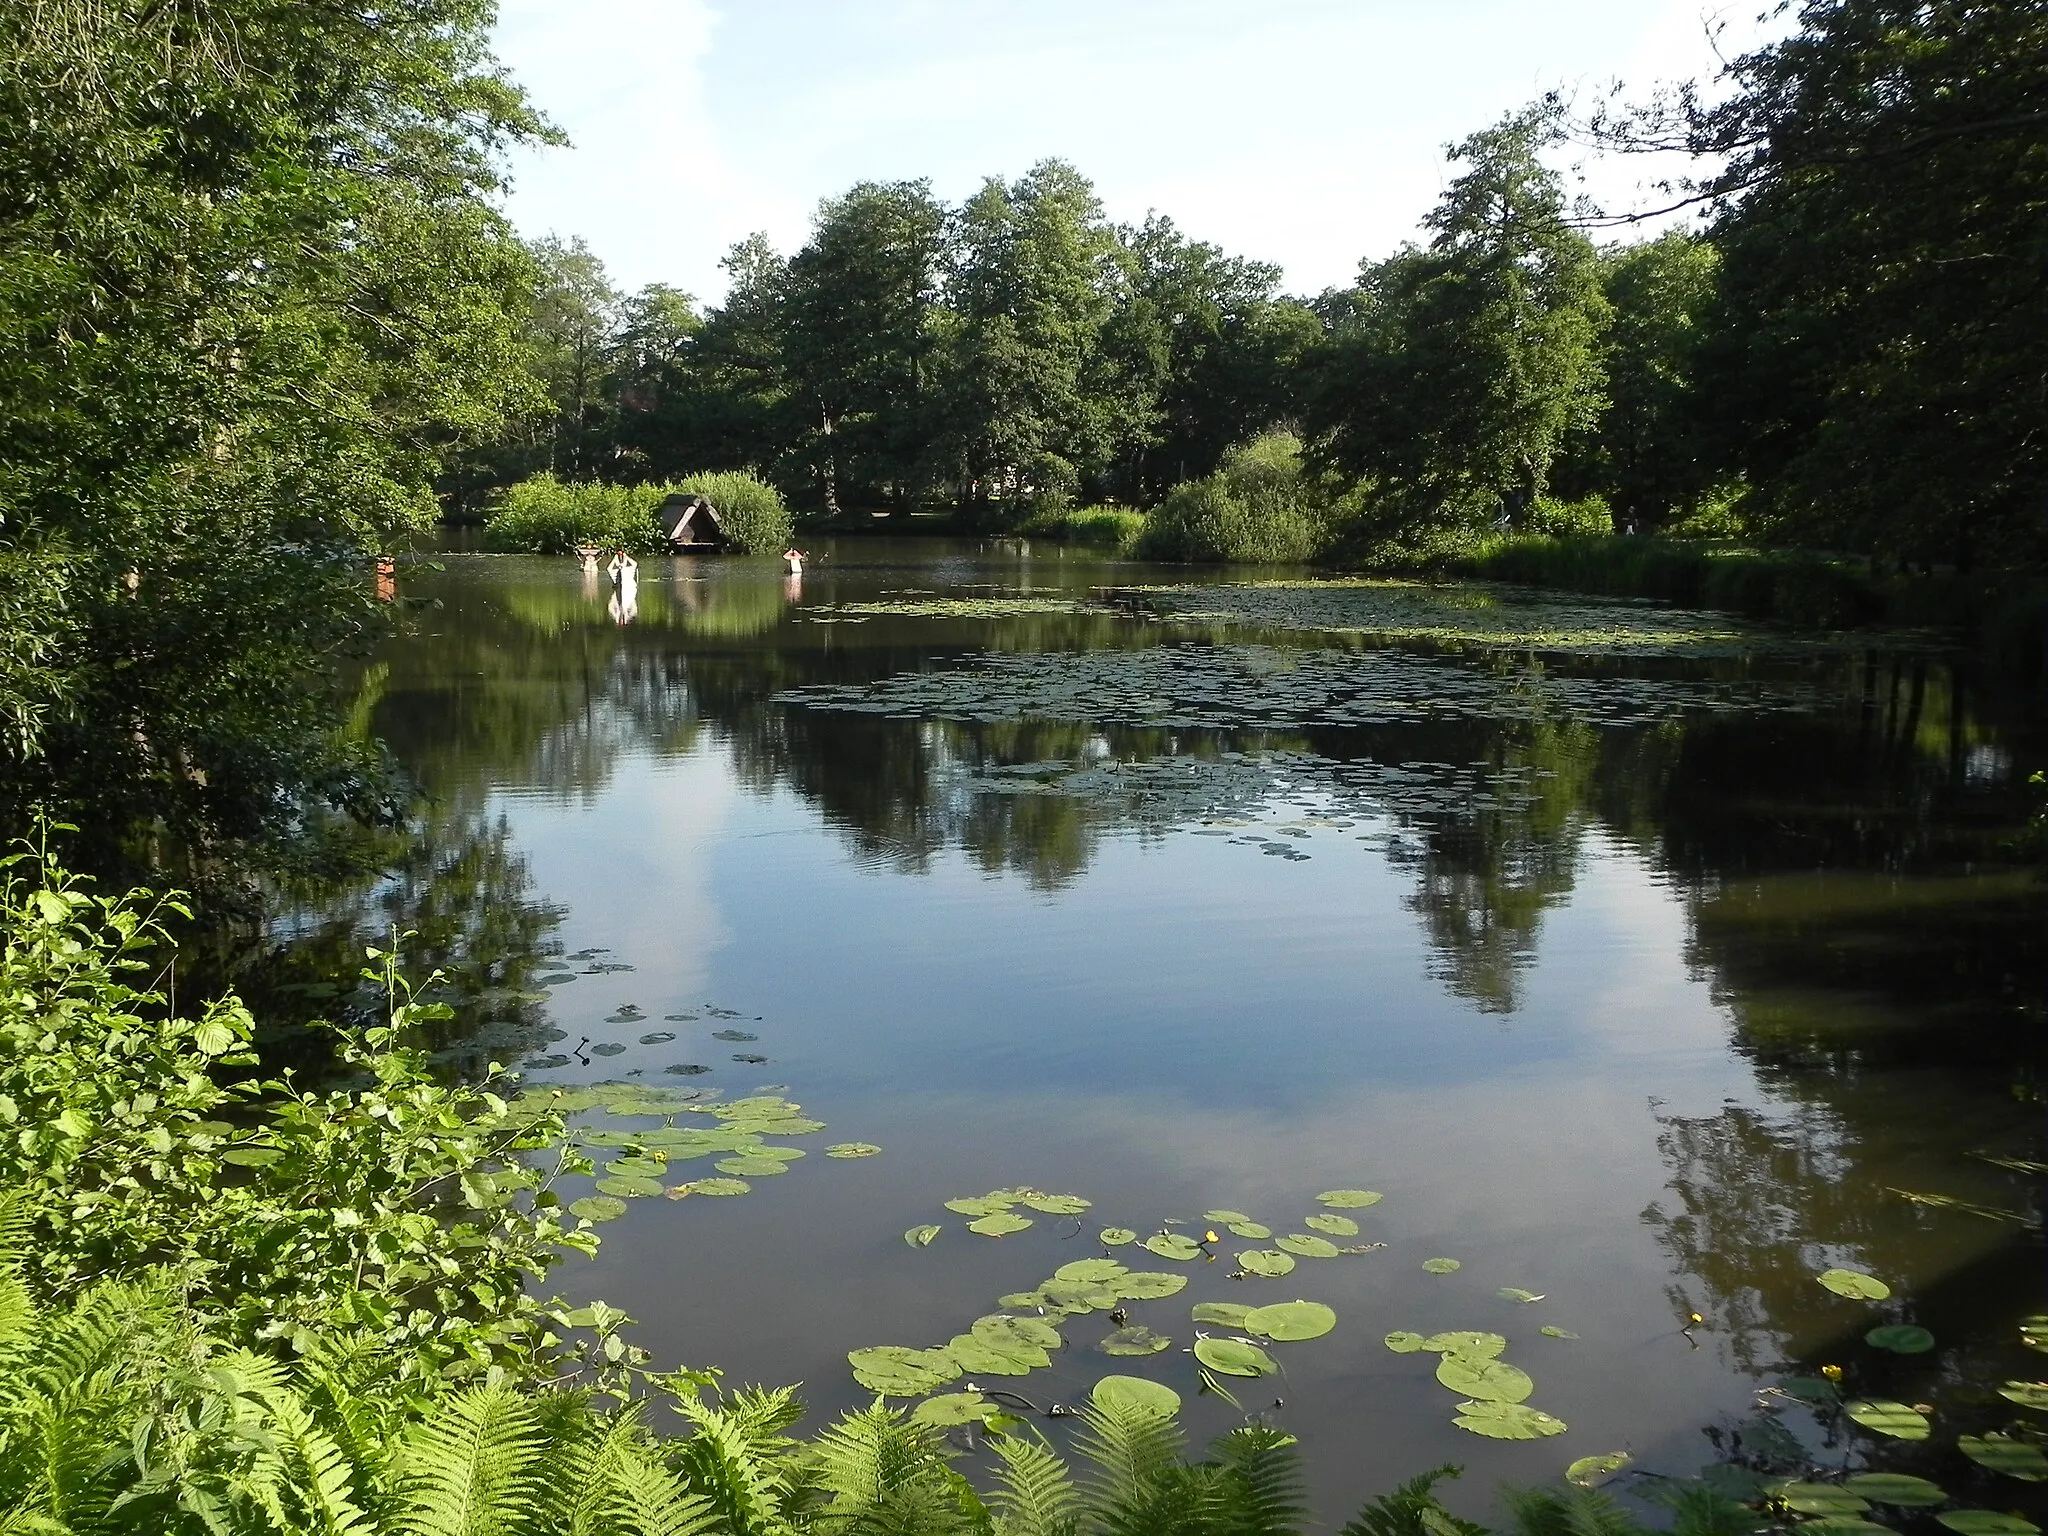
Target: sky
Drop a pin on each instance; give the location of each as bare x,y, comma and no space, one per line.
1308,133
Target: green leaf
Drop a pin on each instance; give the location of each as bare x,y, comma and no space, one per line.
1057,1205
1266,1261
1552,1331
1592,1471
894,1371
246,1157
1476,1376
1307,1246
1135,1340
1442,1266
1174,1245
1290,1321
1516,1293
1333,1224
1349,1199
631,1188
717,1187
1483,1346
1147,1285
1854,1284
1897,1488
1402,1342
921,1237
1078,1295
1227,1314
1234,1357
848,1149
1818,1498
1256,1231
2028,1394
1226,1217
2001,1453
954,1409
1900,1339
1984,1522
1117,1237
1882,1416
980,1354
1507,1421
752,1167
2034,1332
1098,1270
597,1208
980,1205
1019,1330
1001,1224
1136,1392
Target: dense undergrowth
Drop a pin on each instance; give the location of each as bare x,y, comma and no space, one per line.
546,516
235,1304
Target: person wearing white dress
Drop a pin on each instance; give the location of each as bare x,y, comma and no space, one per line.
793,561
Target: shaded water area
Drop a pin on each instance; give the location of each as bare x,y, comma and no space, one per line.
1643,962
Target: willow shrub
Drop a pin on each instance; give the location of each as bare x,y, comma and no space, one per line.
1259,507
1100,527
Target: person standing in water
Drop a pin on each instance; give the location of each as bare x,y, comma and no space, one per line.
793,561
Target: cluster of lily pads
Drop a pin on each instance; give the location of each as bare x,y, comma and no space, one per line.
1021,1336
735,1134
1495,1393
1265,687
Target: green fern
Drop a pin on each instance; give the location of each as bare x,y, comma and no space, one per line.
734,1460
1262,1482
1035,1494
1412,1509
882,1473
651,1501
1581,1512
469,1470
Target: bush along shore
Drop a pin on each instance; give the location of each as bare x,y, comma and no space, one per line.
546,516
236,1304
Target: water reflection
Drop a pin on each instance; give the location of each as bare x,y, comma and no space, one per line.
1068,944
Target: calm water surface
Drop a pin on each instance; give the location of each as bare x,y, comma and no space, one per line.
1645,982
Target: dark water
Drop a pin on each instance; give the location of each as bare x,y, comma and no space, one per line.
1643,981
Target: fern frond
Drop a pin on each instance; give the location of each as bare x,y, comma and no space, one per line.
1697,1510
316,1477
1035,1493
469,1469
1402,1512
1135,1451
884,1473
651,1500
1552,1512
1262,1481
733,1461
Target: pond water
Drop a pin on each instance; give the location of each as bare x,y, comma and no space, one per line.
1641,961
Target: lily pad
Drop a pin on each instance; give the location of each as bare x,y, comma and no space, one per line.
659,1037
629,1186
1854,1284
1078,1296
1057,1205
1090,1269
1552,1331
853,1149
1135,1340
953,1410
1335,1225
1882,1416
1516,1293
2034,1333
1507,1421
1234,1357
1227,1314
1257,1231
980,1205
1226,1217
1117,1237
752,1167
1592,1471
1147,1285
1901,1339
1819,1499
2001,1453
1308,1246
1897,1488
1483,1346
1266,1261
894,1371
1349,1199
982,1355
1844,1525
1493,1381
2028,1394
597,1208
1021,1330
1985,1522
1442,1266
1136,1392
1402,1342
922,1237
1001,1224
1289,1321
1174,1245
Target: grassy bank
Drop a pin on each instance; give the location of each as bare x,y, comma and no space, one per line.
1115,529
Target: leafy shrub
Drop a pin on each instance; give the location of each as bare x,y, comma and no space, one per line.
1259,506
546,516
1563,519
751,511
1101,527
